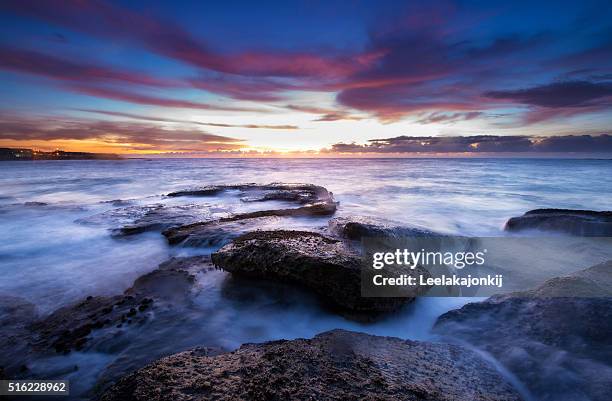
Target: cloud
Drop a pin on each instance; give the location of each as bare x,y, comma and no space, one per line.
57,68
171,120
481,144
325,114
101,81
171,40
237,87
141,98
559,94
428,61
130,135
446,118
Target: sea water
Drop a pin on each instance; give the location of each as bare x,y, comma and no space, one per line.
56,247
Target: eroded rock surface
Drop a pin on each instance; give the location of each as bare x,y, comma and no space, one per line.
585,223
556,338
328,266
335,365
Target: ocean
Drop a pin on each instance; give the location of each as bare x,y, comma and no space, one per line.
57,247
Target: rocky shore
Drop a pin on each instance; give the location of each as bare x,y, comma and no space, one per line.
335,365
554,338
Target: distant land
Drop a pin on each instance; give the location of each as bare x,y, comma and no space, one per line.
11,154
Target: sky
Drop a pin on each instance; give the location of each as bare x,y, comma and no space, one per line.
315,78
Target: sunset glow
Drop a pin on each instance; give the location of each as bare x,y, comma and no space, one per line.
199,80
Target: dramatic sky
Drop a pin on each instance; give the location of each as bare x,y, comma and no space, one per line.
306,77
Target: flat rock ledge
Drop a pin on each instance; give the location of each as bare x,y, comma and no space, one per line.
586,223
335,365
210,232
328,266
298,193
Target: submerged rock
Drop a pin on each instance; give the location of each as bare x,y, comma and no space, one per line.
359,227
218,231
16,315
327,266
556,338
585,223
180,227
335,365
70,327
161,217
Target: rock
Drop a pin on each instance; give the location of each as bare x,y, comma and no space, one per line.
358,227
155,217
161,217
325,265
217,232
16,315
35,204
586,223
299,193
70,327
335,365
314,201
556,340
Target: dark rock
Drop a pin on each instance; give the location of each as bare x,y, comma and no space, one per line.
358,227
16,315
314,201
119,202
219,231
300,193
335,365
327,266
35,204
556,338
162,217
69,327
586,223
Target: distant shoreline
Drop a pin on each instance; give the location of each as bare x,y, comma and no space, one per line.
16,154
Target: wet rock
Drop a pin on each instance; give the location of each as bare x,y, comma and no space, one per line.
162,217
219,231
35,204
118,202
585,223
358,227
182,220
70,327
156,217
16,315
335,365
556,338
325,265
299,193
